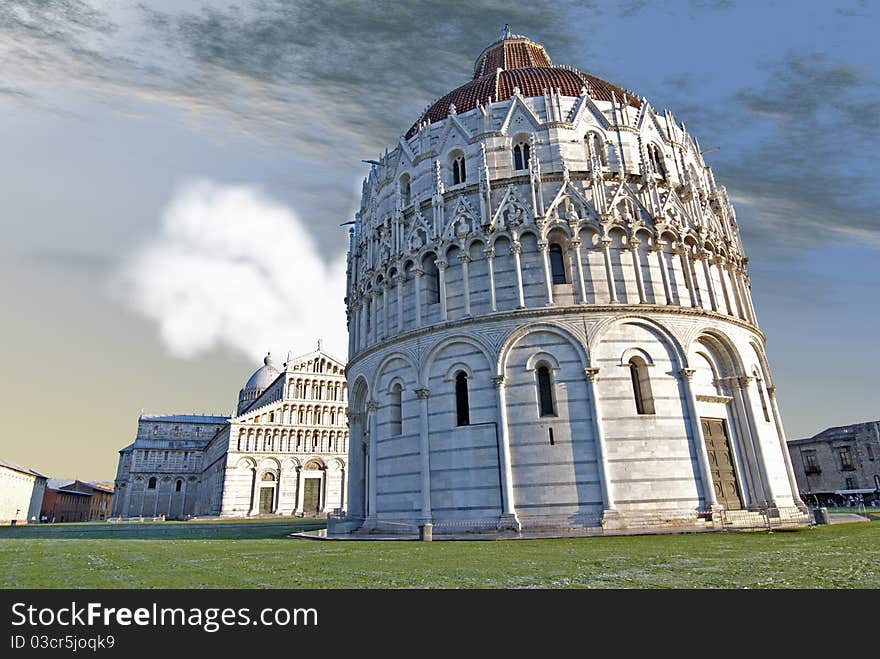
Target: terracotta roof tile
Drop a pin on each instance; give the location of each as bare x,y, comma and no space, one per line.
531,81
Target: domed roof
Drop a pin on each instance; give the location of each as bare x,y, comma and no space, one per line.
263,376
515,61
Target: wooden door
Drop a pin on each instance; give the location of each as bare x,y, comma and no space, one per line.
311,496
266,496
721,463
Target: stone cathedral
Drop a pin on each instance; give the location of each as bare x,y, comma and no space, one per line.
550,319
283,452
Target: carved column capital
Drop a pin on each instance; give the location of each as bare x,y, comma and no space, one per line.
633,244
745,380
575,243
490,253
543,245
372,406
400,279
592,374
464,258
688,373
498,381
417,272
441,264
771,390
422,393
515,248
374,294
604,242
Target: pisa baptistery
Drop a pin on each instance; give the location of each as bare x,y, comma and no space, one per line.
550,320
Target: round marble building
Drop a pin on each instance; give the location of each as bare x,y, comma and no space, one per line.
550,319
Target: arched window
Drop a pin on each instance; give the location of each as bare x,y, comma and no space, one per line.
546,402
638,371
396,409
462,406
594,146
521,156
404,190
178,485
656,158
151,484
459,173
557,264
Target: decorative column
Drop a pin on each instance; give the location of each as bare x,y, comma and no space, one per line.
684,255
400,279
516,250
609,273
609,510
743,457
353,321
664,274
417,284
737,294
255,493
300,490
508,505
576,255
441,268
544,248
465,259
710,285
687,375
783,445
490,260
424,454
748,292
385,288
731,304
372,409
365,321
374,313
297,497
745,382
637,266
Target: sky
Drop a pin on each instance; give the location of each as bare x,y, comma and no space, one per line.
173,175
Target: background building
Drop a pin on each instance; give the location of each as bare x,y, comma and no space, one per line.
21,493
550,318
66,501
282,453
838,463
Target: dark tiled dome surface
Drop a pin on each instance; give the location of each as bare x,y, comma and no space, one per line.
523,64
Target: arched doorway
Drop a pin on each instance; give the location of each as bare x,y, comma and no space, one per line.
313,488
267,494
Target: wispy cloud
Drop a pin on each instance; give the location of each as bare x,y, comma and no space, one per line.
800,160
235,269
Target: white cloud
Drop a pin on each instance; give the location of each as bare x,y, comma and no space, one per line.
233,268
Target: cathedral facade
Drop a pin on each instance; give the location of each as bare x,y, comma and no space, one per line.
550,319
283,452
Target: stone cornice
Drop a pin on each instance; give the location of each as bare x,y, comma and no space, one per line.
570,310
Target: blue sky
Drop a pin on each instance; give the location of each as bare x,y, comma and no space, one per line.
168,168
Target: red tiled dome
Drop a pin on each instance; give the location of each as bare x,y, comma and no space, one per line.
517,61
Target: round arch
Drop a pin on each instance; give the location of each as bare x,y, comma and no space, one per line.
385,361
446,341
647,323
514,337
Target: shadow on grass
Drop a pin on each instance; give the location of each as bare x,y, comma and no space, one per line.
225,530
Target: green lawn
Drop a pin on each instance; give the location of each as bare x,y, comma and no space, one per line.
259,555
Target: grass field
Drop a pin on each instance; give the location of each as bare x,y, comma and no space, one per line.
259,555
